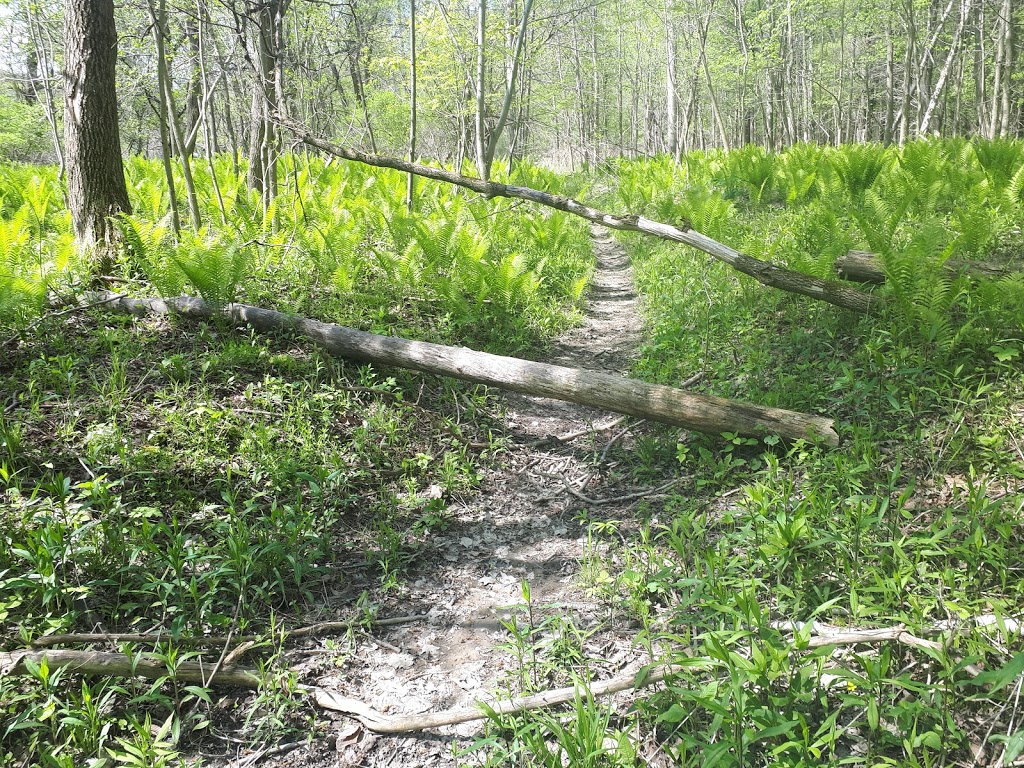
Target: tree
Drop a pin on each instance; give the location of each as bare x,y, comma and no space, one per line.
96,186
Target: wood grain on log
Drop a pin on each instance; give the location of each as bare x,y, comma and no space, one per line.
702,413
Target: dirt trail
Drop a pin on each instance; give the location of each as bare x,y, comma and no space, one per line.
522,525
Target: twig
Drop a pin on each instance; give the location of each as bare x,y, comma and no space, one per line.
578,433
698,376
607,448
107,299
381,723
153,637
615,499
255,757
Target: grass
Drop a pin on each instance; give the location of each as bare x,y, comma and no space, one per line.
202,479
916,521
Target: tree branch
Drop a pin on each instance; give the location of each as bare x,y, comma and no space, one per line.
831,291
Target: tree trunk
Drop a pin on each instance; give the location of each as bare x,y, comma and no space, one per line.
165,137
954,49
702,413
50,105
265,140
491,140
96,185
671,97
411,182
482,168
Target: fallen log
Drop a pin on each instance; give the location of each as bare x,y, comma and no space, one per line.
866,267
701,413
122,665
832,291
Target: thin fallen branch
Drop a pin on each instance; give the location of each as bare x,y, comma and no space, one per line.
701,413
578,433
649,493
381,723
107,299
250,760
832,291
154,637
825,635
116,664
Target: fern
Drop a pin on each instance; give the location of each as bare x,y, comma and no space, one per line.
150,245
753,169
797,170
214,268
22,286
856,166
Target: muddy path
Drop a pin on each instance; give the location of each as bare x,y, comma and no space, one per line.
524,524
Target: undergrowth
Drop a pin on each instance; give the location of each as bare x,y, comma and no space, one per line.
211,481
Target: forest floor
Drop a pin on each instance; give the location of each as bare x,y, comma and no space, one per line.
524,525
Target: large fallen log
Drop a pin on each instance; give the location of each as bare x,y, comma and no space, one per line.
143,665
866,267
701,413
832,291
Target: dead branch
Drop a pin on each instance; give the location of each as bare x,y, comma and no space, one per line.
578,433
381,723
832,291
123,665
650,493
155,637
702,413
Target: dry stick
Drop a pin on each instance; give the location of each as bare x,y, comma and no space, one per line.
616,499
615,439
702,413
829,636
832,291
280,749
698,376
94,662
106,299
381,723
153,637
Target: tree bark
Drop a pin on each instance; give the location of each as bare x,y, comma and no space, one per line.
96,185
831,291
411,181
656,402
482,167
866,267
265,147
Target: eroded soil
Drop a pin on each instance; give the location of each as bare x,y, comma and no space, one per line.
523,524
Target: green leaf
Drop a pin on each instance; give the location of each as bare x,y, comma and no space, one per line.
675,714
1000,678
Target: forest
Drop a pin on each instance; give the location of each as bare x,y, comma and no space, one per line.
465,383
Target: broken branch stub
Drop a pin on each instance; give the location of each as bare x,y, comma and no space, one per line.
702,413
